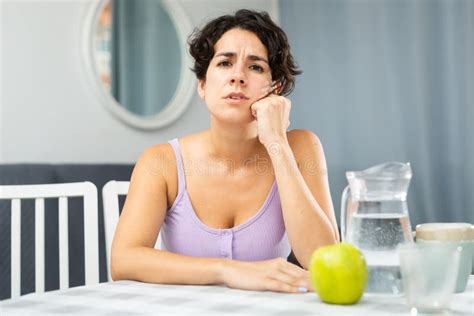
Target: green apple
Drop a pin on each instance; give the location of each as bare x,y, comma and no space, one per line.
338,273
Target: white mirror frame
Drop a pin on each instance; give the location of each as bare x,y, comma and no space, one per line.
186,84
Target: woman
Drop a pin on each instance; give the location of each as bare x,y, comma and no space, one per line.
232,201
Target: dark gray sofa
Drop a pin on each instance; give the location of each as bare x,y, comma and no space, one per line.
99,174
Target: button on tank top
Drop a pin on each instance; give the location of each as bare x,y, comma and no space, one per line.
261,237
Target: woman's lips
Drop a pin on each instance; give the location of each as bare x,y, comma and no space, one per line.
236,95
236,98
236,101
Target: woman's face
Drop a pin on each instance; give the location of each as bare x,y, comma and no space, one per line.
237,76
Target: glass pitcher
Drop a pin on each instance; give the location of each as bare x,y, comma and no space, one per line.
374,217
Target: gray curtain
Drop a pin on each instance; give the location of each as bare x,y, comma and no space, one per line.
145,66
390,81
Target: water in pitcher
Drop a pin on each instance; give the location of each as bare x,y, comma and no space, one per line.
377,236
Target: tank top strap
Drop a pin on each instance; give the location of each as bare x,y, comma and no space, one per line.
179,164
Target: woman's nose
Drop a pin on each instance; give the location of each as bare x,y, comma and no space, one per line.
238,76
241,81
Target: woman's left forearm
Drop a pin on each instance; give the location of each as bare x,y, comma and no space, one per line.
308,226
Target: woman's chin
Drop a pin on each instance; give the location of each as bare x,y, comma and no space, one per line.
235,118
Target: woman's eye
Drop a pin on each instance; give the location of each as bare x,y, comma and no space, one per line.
257,68
224,63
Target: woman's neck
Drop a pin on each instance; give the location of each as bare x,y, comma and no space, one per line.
237,143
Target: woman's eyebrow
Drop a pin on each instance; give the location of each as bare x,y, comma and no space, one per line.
257,58
250,57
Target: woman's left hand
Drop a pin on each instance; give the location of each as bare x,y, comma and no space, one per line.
272,114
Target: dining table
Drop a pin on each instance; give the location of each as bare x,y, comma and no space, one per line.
138,298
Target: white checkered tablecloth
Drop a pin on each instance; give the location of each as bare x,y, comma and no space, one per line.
135,298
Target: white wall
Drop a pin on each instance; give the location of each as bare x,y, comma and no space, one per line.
48,112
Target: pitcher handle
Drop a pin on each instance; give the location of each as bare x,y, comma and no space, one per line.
344,201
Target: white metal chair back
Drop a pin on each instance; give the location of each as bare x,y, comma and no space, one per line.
62,191
110,198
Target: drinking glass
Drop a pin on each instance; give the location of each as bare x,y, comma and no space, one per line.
429,274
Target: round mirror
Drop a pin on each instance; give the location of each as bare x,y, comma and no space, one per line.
136,53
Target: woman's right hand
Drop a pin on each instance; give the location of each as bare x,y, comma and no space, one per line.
276,275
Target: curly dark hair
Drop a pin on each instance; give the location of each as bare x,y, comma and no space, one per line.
282,65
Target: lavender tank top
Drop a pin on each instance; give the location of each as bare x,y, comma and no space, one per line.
261,237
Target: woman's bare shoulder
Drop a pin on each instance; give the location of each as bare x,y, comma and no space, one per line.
162,149
161,159
308,152
158,160
303,141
